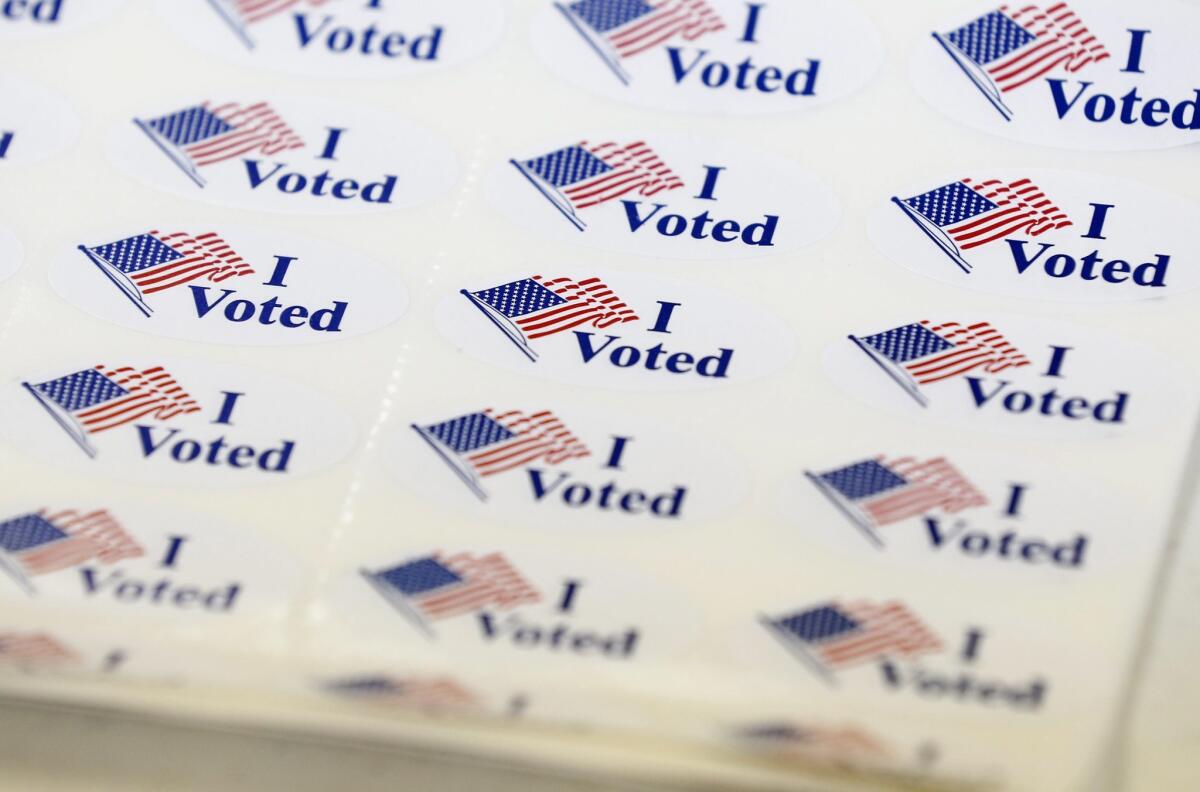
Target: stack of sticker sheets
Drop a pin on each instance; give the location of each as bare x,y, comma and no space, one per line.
794,394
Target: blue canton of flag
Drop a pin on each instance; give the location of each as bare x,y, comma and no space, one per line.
1012,47
876,492
432,693
536,307
38,543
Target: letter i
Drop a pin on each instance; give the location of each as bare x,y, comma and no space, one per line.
1099,216
1056,361
618,450
1015,493
227,407
174,545
331,143
752,12
570,588
970,652
5,140
711,172
280,272
1137,39
665,309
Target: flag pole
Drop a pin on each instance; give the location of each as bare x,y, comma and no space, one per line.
857,520
124,287
978,81
509,333
609,59
797,651
471,484
909,387
570,215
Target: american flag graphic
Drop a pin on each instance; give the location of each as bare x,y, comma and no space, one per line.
155,261
878,492
1016,45
536,307
441,586
585,174
45,541
251,11
926,352
206,134
33,649
831,743
489,442
417,692
966,214
620,29
102,398
835,636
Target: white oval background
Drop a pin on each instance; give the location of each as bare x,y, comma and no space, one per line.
10,253
656,460
322,273
375,144
753,184
704,322
1171,64
213,556
787,36
469,29
42,123
1055,507
1142,224
1097,366
609,600
271,411
72,15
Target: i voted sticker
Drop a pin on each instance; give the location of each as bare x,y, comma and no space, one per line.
283,154
1042,234
502,601
1089,74
342,38
665,195
1016,375
959,512
133,562
232,285
562,469
722,56
32,18
173,422
36,123
617,330
10,253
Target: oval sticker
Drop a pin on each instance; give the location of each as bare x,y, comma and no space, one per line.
173,421
1011,374
132,562
665,195
36,125
31,18
616,330
1042,234
539,466
722,56
10,253
232,285
379,38
1095,74
283,154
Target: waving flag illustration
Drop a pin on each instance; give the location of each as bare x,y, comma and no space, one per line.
240,14
421,693
155,261
98,399
585,174
619,29
966,214
28,650
923,352
536,307
439,587
847,743
204,134
876,492
1016,45
486,443
831,637
40,542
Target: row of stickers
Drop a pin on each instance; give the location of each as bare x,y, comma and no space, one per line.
1092,74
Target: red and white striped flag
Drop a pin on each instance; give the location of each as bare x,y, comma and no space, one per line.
49,542
256,127
33,649
887,629
1060,40
251,11
931,484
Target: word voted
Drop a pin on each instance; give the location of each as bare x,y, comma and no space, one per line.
164,592
701,226
965,688
1049,403
560,637
1005,546
227,305
41,11
368,40
697,66
656,357
608,497
217,452
323,184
